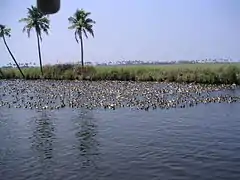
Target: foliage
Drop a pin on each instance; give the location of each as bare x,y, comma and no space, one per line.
4,31
205,74
35,20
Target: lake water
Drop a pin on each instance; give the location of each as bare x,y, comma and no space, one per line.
198,143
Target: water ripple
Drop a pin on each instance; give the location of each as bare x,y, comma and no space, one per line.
197,143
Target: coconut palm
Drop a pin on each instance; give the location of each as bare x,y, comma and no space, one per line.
82,24
6,32
40,23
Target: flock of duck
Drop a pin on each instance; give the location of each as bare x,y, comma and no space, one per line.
49,94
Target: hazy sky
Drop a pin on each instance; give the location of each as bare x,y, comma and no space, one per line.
131,30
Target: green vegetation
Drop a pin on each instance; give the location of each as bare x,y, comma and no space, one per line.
6,32
197,73
40,23
1,73
82,24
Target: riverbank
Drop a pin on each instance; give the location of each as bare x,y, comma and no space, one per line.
187,73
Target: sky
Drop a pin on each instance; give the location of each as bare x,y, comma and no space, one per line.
147,30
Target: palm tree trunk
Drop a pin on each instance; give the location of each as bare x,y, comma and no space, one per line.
81,40
39,53
4,40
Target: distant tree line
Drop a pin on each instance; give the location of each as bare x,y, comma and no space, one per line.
136,62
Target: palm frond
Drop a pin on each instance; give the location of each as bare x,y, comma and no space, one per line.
35,20
7,32
79,14
44,20
85,33
87,14
76,35
80,21
45,30
72,20
90,30
4,31
26,20
28,28
72,26
90,21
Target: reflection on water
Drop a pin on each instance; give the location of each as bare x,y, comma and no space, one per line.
49,151
87,154
86,131
43,135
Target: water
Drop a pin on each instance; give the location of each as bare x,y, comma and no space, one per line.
194,143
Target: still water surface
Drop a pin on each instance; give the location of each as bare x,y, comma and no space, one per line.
202,142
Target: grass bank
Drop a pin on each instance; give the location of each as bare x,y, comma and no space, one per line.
198,73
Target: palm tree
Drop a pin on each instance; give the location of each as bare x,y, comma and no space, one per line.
40,23
82,24
6,32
